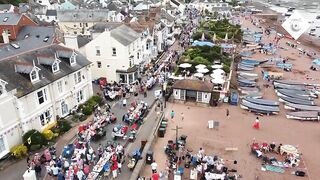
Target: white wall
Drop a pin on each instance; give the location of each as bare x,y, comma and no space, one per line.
109,63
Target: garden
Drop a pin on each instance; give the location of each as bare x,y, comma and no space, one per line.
34,140
218,30
205,55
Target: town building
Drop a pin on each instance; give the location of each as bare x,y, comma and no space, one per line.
192,91
11,23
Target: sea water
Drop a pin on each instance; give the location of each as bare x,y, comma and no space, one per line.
309,9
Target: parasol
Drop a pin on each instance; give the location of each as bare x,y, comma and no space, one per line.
201,66
202,70
202,37
185,65
199,75
218,72
217,66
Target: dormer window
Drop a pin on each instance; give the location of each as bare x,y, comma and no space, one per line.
67,55
2,87
34,76
73,59
55,67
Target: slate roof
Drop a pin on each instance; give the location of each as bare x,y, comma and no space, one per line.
166,16
29,38
101,27
175,2
21,81
83,15
194,85
124,34
82,40
114,6
9,18
5,7
51,12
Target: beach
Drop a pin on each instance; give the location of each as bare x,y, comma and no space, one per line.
237,132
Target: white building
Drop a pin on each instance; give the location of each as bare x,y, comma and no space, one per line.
49,16
115,50
50,4
38,86
210,5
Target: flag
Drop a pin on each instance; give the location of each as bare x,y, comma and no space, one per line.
29,140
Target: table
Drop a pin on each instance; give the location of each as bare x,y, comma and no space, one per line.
288,149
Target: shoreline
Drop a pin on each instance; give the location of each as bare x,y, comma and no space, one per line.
308,41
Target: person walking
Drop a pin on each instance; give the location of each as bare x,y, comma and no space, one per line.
256,124
154,166
124,102
182,116
227,113
172,114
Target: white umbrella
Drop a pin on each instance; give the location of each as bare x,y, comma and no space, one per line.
202,70
218,80
216,75
199,75
218,72
217,66
202,37
185,65
201,66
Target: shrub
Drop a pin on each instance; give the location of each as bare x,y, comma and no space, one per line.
97,99
87,110
48,134
35,147
36,138
63,125
226,68
19,151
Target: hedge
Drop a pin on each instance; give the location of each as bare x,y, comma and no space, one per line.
19,151
36,138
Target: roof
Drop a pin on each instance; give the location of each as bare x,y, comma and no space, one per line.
114,6
51,12
5,7
21,82
129,70
9,18
83,15
29,38
101,27
175,2
124,34
195,85
82,40
166,16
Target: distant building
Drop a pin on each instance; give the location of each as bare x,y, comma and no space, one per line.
11,23
7,8
79,21
68,5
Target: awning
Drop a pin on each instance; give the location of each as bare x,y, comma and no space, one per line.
129,70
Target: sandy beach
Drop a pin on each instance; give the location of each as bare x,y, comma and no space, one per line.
238,132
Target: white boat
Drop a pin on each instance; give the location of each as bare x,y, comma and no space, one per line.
304,115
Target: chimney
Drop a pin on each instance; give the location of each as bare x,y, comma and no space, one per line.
71,41
5,36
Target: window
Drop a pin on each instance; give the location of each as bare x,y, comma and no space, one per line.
80,97
138,55
74,32
114,51
34,76
42,96
55,67
147,46
1,90
99,64
80,25
64,108
77,77
60,88
98,52
86,24
73,59
74,25
2,145
45,117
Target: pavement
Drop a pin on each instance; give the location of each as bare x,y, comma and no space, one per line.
16,170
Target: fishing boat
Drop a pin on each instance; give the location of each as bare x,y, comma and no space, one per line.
264,102
259,108
245,81
291,87
304,115
288,82
294,92
306,98
296,101
248,90
244,73
243,77
284,65
253,62
245,68
252,95
300,107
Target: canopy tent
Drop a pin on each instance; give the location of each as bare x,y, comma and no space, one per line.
217,66
185,65
201,66
202,70
199,75
202,43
